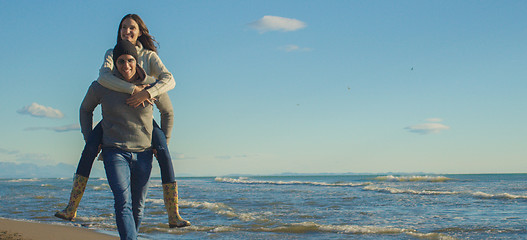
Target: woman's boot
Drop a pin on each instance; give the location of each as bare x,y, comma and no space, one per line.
170,196
79,185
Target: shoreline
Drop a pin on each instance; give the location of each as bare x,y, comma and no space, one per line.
25,230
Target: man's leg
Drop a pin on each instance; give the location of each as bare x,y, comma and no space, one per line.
141,169
117,166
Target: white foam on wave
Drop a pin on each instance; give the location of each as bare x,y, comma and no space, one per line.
24,180
192,228
349,229
408,191
243,180
305,227
504,196
220,229
92,219
155,185
498,196
103,186
432,236
155,201
391,178
222,209
309,227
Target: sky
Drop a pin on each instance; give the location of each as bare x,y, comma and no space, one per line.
266,87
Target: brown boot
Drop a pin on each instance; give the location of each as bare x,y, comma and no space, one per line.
79,185
170,195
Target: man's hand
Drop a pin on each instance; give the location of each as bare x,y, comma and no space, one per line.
138,98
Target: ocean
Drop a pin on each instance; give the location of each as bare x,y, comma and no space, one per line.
484,206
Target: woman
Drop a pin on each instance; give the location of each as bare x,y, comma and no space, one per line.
127,138
133,29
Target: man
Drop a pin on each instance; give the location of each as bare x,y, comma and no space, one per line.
127,137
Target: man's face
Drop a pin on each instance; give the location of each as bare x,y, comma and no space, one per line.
126,65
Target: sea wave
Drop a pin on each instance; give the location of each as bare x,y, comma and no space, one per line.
218,208
408,191
354,229
156,201
308,227
478,229
391,178
243,180
24,180
103,186
87,219
163,228
155,185
498,196
222,209
504,196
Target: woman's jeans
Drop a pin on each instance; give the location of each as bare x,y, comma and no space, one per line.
159,143
128,174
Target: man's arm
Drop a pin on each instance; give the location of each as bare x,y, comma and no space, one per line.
90,102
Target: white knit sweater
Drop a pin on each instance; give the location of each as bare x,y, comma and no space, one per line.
152,65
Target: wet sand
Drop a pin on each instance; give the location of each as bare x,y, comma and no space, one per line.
20,230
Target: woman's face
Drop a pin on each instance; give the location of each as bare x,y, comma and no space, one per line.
130,30
126,65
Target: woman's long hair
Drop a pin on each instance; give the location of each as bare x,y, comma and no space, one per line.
146,39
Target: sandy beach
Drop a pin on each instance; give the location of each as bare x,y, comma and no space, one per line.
20,230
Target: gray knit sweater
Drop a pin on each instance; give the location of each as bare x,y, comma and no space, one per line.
124,127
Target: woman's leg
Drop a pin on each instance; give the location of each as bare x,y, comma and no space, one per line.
117,164
170,196
91,149
141,169
159,143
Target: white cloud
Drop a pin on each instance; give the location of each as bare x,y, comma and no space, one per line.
294,48
33,158
427,128
227,157
32,170
274,23
66,128
178,156
37,110
8,152
434,120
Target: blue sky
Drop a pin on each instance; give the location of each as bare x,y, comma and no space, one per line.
285,86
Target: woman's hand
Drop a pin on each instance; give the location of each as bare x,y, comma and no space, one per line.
139,88
139,98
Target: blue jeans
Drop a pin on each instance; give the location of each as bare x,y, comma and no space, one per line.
159,142
128,174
